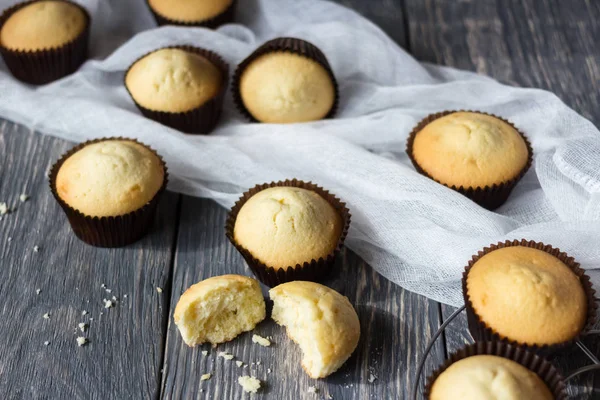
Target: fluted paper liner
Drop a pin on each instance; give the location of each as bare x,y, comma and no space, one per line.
283,44
489,197
201,119
311,270
114,231
481,332
212,23
540,366
39,67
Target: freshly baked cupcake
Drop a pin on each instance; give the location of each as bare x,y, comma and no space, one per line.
320,320
488,377
109,189
479,155
288,230
181,87
44,40
284,81
525,295
218,309
207,13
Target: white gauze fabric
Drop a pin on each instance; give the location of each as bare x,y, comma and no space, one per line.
415,232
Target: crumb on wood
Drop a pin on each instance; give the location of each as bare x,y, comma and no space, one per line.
205,377
239,364
23,197
226,356
204,352
372,378
81,341
46,316
38,291
159,289
82,326
261,340
312,389
84,312
4,209
46,343
36,248
107,304
249,383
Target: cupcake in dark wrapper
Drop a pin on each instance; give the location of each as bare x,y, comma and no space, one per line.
493,370
205,13
109,189
181,87
42,41
285,80
528,294
288,231
477,154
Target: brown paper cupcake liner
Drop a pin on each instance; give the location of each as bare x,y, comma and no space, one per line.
312,270
489,197
283,44
200,120
108,231
481,332
541,367
212,23
39,67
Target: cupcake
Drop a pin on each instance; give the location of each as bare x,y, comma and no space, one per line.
320,320
288,230
42,41
205,13
285,80
527,293
109,189
479,155
490,371
181,87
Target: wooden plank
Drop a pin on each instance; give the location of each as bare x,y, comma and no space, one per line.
395,325
547,44
124,354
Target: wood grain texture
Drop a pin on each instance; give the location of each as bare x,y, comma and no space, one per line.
546,44
123,357
395,327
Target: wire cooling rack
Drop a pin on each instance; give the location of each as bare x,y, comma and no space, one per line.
595,366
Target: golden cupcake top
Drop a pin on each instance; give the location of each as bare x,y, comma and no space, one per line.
487,377
173,80
110,178
470,149
189,10
527,295
43,25
283,87
284,226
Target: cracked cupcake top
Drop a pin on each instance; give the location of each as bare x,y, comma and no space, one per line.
110,178
284,226
470,149
173,80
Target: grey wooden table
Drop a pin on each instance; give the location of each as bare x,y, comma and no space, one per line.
134,349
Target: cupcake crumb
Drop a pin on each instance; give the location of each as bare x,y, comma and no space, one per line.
372,378
204,352
38,291
108,290
46,316
312,389
226,356
84,312
205,377
23,197
107,304
81,341
82,326
4,209
268,370
261,340
159,289
239,364
249,383
36,248
46,343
